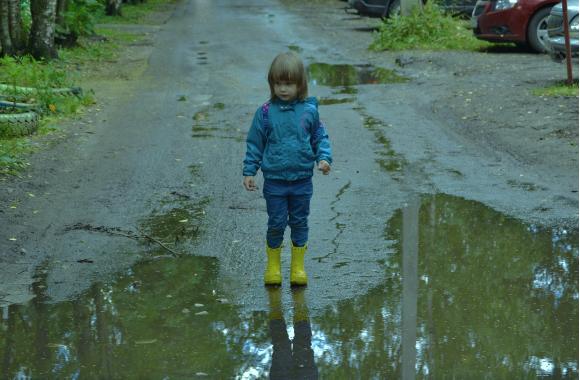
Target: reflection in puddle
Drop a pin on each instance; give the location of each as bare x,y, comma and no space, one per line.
494,298
470,294
176,221
325,74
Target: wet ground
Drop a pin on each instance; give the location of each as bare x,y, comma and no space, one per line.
441,245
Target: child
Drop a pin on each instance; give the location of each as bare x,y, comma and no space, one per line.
285,140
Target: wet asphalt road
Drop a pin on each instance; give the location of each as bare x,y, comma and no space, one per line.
166,162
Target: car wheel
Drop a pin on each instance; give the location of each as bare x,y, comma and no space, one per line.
395,8
538,31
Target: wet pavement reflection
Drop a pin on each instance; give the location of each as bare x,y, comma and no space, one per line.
469,293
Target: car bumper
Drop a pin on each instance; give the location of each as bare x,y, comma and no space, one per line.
496,26
557,47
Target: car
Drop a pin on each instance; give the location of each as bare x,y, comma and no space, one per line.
388,8
376,8
556,42
523,22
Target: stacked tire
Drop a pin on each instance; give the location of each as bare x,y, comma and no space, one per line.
18,118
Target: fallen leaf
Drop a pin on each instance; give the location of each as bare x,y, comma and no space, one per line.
52,107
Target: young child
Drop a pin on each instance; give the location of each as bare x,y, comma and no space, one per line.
285,140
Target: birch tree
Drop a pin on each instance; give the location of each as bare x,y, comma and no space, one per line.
42,31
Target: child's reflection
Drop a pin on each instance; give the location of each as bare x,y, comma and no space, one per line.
291,359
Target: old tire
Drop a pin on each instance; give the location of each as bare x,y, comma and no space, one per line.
538,31
15,105
66,91
18,124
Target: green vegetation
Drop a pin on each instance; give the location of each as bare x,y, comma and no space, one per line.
95,43
426,28
560,89
134,13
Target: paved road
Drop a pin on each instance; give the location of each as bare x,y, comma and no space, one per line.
143,169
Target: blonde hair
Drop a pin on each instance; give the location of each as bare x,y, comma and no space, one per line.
288,67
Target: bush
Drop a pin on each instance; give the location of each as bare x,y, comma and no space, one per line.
78,20
425,28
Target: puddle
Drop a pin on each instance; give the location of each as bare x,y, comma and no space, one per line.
469,293
295,48
176,220
206,127
325,74
332,101
347,91
389,160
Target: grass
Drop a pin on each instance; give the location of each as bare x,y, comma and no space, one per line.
559,89
427,28
65,72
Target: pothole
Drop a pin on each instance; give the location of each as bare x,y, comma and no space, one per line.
325,74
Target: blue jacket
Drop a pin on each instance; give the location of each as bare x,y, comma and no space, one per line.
288,148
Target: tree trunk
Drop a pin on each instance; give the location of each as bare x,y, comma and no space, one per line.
61,7
15,25
113,8
42,31
5,40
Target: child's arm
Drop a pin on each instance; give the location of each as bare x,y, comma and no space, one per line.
321,146
255,143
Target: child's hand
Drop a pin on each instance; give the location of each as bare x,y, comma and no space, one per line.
324,167
250,184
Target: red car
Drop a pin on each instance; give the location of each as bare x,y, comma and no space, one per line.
521,21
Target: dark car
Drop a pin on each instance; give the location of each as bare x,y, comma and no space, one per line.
523,22
376,8
387,8
556,41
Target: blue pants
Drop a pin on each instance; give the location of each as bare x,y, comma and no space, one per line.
287,203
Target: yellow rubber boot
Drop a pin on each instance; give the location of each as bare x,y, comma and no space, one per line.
297,273
273,274
300,308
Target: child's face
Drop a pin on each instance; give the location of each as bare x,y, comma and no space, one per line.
285,91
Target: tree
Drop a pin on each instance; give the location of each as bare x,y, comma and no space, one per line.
15,25
42,31
113,8
5,39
